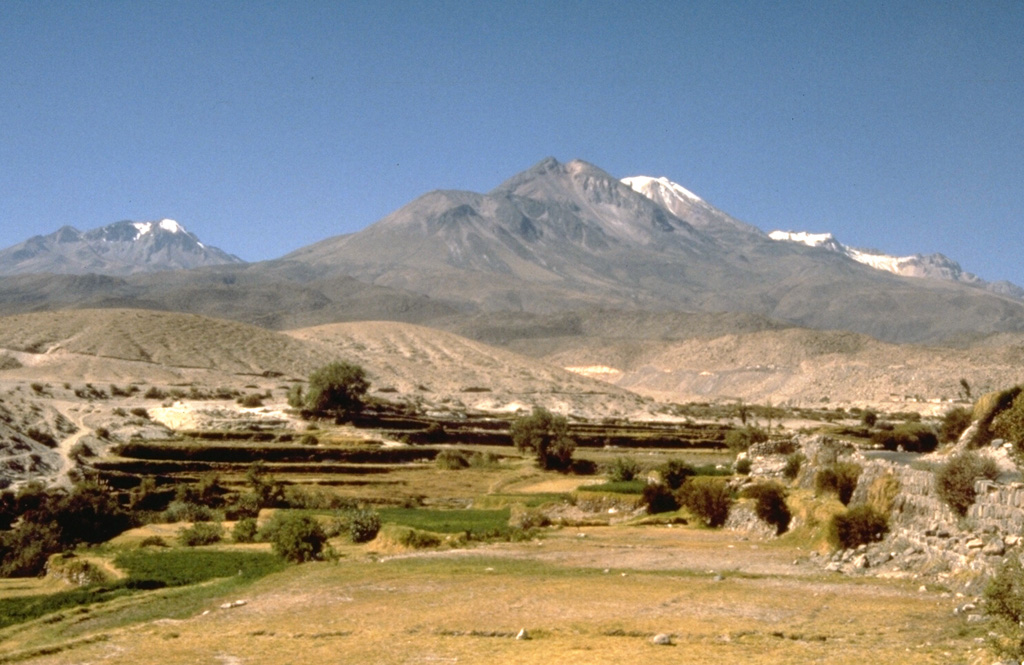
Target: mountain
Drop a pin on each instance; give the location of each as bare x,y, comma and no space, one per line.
933,266
122,248
557,241
570,237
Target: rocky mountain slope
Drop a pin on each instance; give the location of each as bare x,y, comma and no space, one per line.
931,266
122,248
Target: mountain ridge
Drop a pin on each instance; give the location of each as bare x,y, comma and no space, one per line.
118,249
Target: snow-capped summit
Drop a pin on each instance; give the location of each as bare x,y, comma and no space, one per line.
685,205
121,248
826,240
651,187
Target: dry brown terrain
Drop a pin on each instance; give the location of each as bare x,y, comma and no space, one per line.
582,595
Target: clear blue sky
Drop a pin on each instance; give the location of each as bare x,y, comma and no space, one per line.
263,127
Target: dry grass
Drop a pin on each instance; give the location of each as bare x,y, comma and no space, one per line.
466,606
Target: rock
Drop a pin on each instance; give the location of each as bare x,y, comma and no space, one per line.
977,618
994,547
975,543
662,639
1012,541
860,562
522,634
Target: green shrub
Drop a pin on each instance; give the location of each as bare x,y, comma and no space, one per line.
338,389
956,478
1004,600
623,469
416,539
675,472
484,460
857,526
361,525
659,498
739,440
295,538
1009,424
840,479
244,530
707,498
201,533
770,505
743,466
954,422
909,437
451,460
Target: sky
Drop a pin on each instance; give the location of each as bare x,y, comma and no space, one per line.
266,126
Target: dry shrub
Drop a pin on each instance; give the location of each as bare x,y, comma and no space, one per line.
882,493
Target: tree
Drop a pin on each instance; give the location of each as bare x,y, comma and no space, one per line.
548,436
338,389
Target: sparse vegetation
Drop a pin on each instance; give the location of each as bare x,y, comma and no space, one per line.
770,504
857,526
955,480
739,440
909,437
707,498
623,469
1004,600
954,422
201,533
839,478
675,472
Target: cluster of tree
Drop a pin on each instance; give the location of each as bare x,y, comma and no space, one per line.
546,435
37,522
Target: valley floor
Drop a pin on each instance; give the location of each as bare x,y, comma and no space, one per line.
591,595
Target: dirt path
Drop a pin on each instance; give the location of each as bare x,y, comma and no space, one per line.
72,412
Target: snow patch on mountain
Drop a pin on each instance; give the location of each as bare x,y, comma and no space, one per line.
929,266
646,184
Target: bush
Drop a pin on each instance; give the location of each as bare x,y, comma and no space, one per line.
707,498
623,469
857,526
770,505
244,530
451,460
251,401
152,541
743,466
792,468
909,437
659,499
154,393
548,436
338,389
140,412
201,533
675,472
1009,424
954,422
955,480
363,525
1004,600
840,478
295,538
739,440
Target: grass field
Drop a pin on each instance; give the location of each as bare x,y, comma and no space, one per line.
588,596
